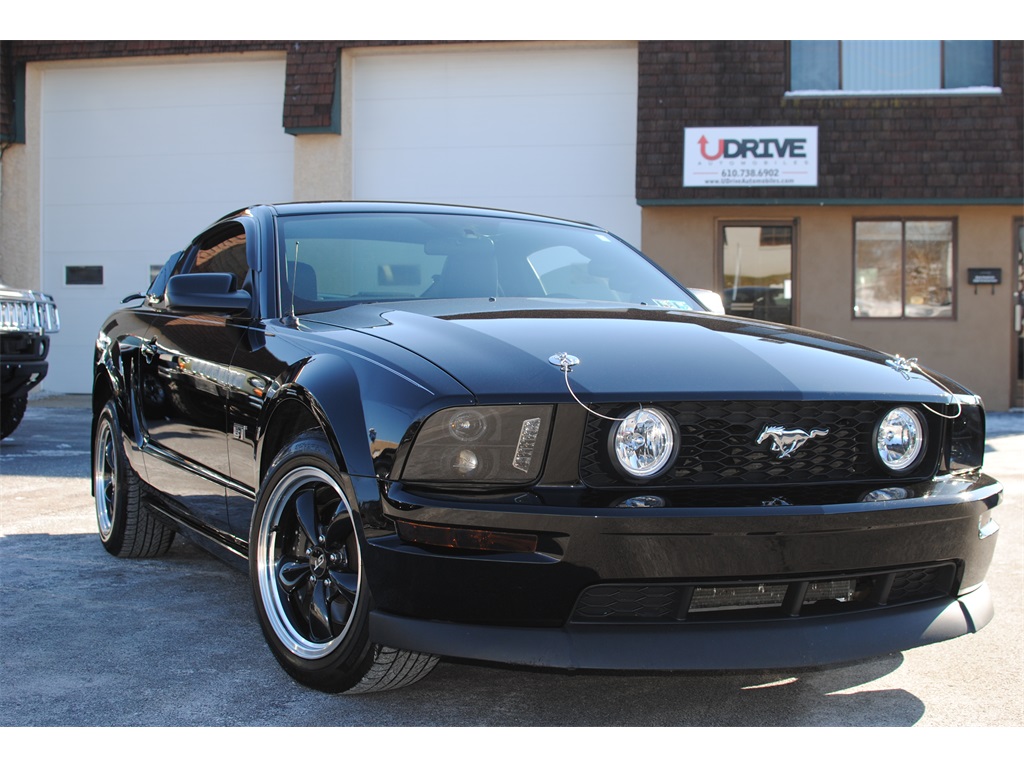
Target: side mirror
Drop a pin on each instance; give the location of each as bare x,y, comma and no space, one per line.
214,291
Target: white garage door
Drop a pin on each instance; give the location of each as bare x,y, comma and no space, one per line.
137,159
543,131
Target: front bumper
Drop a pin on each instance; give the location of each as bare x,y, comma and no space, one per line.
779,644
524,608
24,362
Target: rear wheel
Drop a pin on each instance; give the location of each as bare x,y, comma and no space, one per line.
308,579
127,528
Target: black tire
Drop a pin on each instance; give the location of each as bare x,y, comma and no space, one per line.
11,411
308,578
126,527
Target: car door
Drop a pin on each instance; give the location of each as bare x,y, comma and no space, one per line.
185,367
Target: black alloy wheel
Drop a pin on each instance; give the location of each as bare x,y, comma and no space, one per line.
309,581
308,561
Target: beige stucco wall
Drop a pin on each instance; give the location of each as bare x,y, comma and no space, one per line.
323,161
322,167
19,198
975,348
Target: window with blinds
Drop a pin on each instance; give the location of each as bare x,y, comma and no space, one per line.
891,65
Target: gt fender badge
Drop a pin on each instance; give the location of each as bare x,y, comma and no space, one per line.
786,441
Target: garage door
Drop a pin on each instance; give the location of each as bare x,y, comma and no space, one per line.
136,160
543,131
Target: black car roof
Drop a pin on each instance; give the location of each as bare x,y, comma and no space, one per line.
367,206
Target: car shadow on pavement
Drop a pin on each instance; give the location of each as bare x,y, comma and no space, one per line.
708,699
91,640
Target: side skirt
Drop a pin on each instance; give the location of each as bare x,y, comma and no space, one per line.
233,551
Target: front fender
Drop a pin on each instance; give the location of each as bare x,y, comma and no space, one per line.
114,362
364,406
328,390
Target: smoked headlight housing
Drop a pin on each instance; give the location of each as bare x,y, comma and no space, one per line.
644,443
900,439
967,440
480,445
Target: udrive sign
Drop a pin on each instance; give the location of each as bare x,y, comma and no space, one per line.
750,157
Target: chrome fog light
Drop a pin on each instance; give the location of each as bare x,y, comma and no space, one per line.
887,494
899,439
644,443
642,502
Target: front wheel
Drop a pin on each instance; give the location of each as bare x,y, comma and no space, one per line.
308,579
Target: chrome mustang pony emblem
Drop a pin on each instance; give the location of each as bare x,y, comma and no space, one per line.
786,441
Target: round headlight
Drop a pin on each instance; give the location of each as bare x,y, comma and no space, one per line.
900,439
467,426
644,443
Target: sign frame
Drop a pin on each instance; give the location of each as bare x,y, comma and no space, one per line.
750,156
984,276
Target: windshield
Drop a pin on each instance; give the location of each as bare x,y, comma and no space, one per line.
333,260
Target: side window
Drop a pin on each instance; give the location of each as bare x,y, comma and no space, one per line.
223,251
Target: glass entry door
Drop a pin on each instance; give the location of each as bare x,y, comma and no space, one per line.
757,267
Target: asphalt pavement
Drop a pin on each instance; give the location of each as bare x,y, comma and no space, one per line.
89,640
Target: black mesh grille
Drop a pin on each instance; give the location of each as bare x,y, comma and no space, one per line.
754,599
909,585
718,444
640,602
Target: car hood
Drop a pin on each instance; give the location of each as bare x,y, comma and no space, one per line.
502,348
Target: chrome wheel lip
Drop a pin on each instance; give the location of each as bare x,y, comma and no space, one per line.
105,480
266,565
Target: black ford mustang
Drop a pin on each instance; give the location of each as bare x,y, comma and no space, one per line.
433,431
